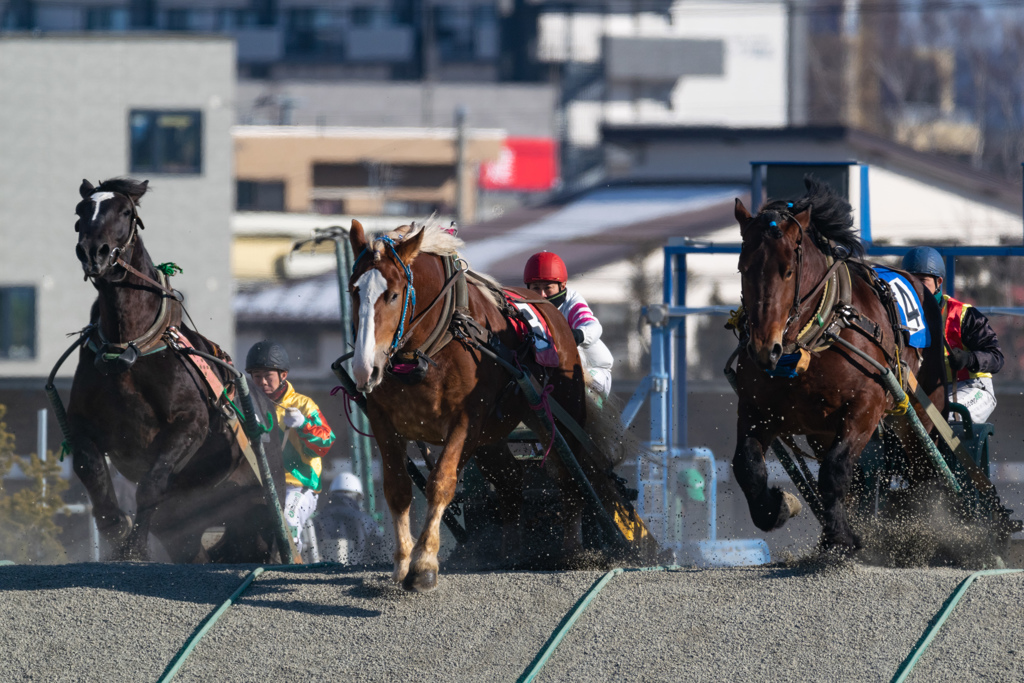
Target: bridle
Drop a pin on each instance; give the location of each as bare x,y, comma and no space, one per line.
797,307
117,252
410,292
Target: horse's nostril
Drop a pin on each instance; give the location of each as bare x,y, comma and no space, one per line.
776,351
80,253
103,252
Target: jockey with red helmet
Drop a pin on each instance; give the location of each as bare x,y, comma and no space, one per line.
545,274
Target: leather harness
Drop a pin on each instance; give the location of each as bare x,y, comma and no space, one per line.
834,312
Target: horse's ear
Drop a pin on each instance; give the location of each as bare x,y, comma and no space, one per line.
86,189
136,195
803,218
741,213
357,237
409,248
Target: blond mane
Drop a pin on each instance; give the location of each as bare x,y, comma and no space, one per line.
436,239
439,241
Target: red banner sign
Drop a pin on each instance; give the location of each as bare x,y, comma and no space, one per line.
525,165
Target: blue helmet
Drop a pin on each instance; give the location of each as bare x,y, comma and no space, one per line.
924,261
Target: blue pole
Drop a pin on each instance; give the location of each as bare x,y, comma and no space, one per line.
865,205
682,435
950,275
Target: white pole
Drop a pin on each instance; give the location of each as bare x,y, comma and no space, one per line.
41,440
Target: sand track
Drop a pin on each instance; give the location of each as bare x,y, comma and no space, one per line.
124,622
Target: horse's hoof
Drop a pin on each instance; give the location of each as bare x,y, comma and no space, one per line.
421,582
400,571
792,503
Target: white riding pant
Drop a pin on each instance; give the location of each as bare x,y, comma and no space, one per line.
299,506
977,396
601,381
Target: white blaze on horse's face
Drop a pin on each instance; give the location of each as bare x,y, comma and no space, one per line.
98,198
368,361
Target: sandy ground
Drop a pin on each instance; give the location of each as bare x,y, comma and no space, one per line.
849,622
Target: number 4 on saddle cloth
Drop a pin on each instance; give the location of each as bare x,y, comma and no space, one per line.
909,305
531,325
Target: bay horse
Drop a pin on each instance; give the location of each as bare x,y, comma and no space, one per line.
465,402
142,404
837,401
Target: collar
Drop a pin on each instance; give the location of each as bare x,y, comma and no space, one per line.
282,392
559,299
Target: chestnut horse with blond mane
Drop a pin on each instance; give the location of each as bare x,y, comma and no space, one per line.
465,402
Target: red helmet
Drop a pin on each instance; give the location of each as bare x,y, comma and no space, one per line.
545,267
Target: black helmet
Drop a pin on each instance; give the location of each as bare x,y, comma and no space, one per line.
924,261
266,354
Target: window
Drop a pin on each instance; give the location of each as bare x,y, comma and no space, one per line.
106,19
17,323
166,141
260,196
454,29
178,20
314,33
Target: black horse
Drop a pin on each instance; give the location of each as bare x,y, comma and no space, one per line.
141,403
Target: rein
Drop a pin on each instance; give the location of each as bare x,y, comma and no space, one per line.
797,308
410,291
421,316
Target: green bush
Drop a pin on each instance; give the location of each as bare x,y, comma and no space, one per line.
28,526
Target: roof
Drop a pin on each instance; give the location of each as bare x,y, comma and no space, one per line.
314,300
942,171
598,228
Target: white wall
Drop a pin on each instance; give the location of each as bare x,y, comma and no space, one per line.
752,91
64,103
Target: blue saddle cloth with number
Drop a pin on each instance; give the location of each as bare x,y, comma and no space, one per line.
909,305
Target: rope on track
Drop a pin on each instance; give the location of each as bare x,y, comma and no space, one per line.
903,673
533,670
179,658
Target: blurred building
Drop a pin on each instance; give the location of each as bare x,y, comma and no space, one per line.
644,61
872,71
681,63
74,107
359,171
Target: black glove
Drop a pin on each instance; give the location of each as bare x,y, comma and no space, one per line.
577,334
960,358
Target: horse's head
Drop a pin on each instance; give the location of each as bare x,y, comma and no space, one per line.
769,266
107,223
381,297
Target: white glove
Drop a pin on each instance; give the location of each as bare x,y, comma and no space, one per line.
293,418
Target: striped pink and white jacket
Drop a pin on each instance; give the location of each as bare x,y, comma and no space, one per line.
593,351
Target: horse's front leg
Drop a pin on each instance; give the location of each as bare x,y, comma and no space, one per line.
834,480
769,507
91,468
176,442
441,485
397,490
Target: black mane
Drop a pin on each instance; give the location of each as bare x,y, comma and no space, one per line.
127,186
831,215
